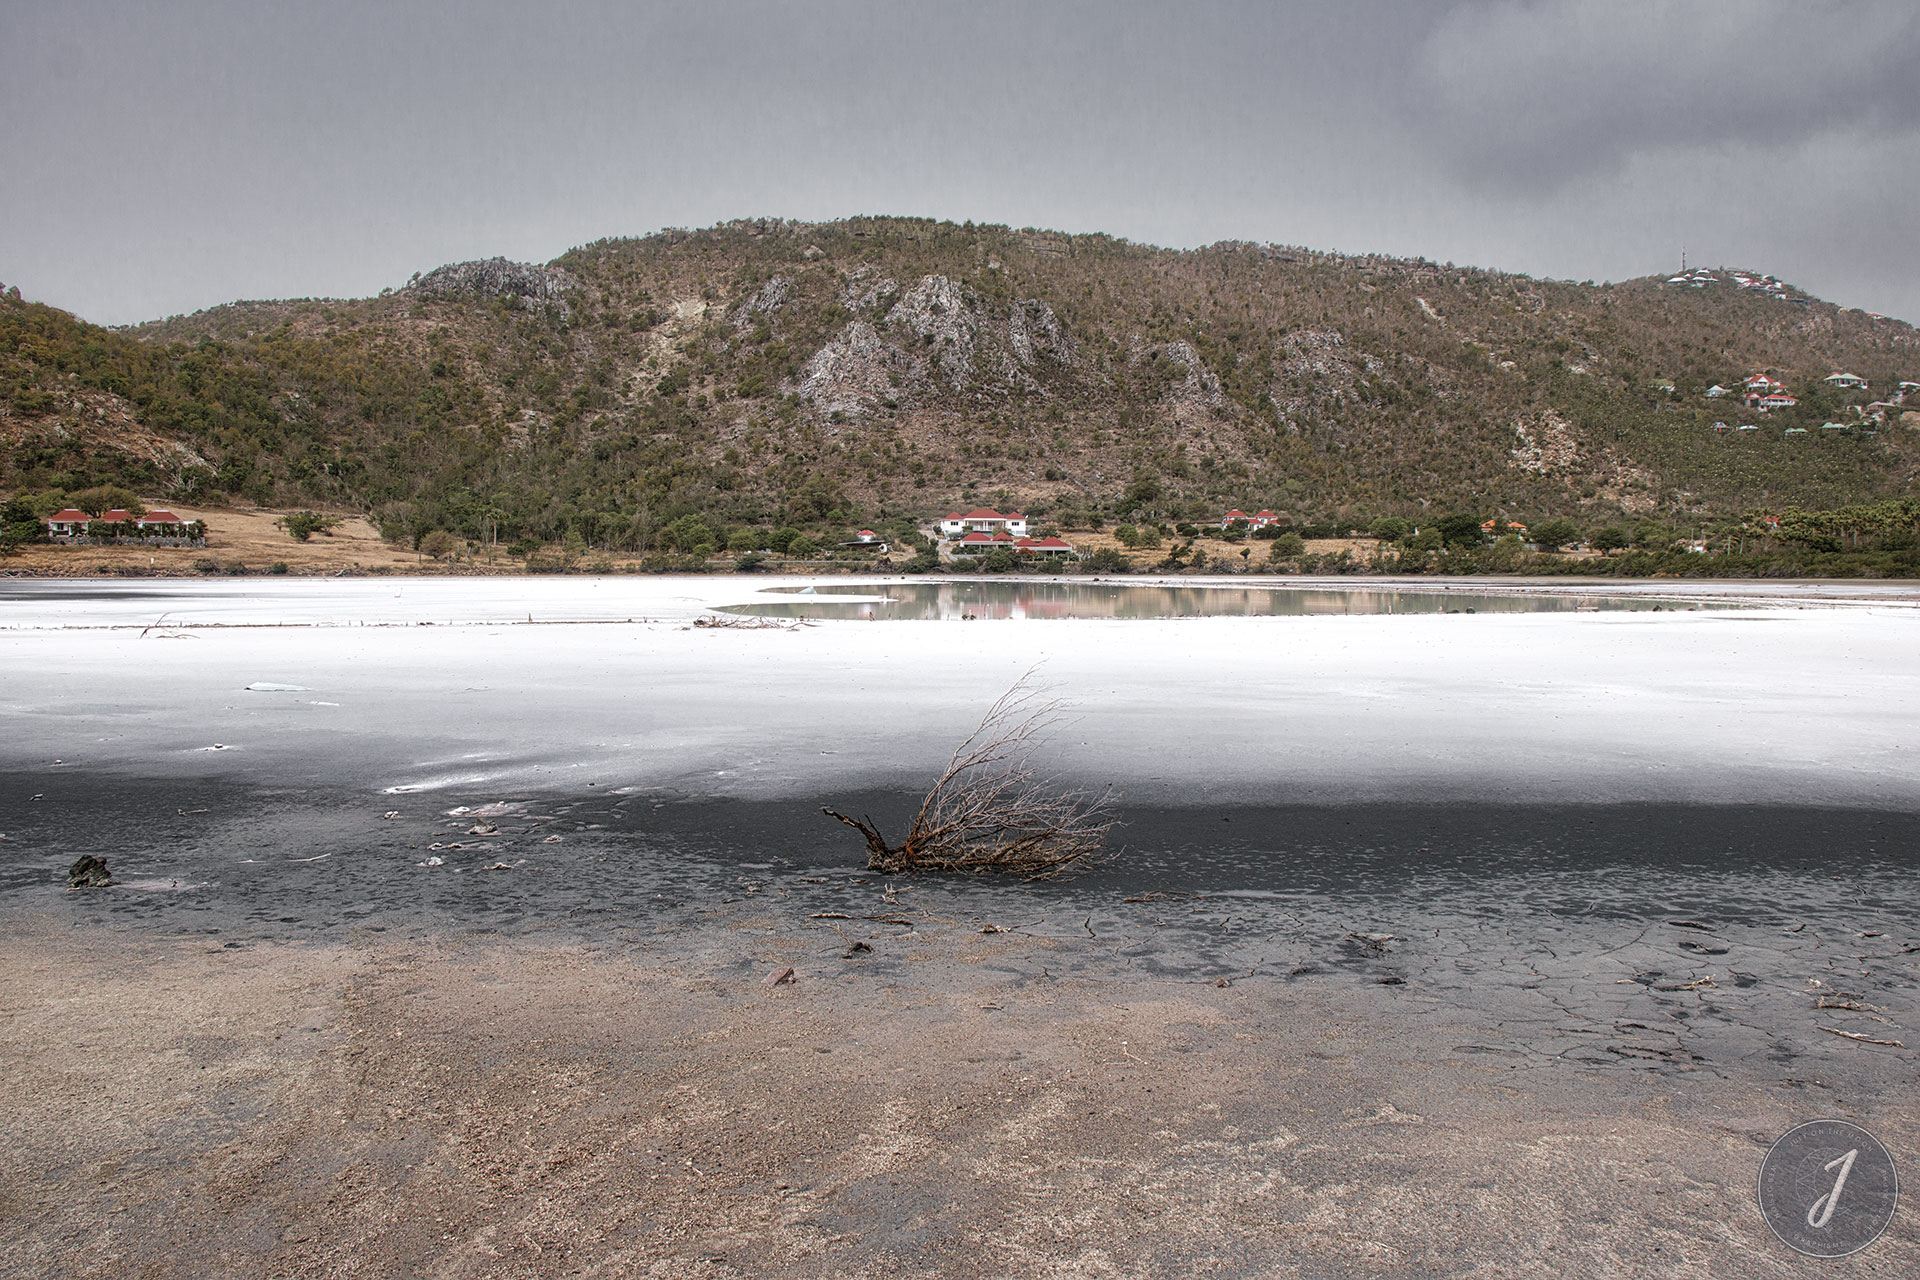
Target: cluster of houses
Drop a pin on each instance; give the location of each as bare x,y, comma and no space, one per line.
1258,520
983,531
1700,278
1763,392
71,524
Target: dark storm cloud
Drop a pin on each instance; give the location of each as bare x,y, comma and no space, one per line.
1536,94
162,158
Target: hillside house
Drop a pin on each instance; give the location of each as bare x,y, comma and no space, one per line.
159,522
866,540
1794,431
1262,519
1765,403
1721,426
983,520
1761,384
1236,514
978,543
1850,380
1495,527
1748,426
116,516
1715,391
68,523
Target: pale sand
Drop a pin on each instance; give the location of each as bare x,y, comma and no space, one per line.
952,1103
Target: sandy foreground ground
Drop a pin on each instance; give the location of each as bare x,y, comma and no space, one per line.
950,1103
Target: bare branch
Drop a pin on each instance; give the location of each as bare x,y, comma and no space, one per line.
991,810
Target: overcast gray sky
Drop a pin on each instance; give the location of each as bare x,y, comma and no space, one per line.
159,158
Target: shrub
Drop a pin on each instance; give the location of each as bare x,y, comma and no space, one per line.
1287,545
301,525
278,568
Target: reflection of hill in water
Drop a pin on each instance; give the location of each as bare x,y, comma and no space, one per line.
960,601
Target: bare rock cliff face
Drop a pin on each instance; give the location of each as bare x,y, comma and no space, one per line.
935,335
854,372
495,278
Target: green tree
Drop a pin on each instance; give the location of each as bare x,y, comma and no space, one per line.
1459,529
1555,534
1390,528
1610,539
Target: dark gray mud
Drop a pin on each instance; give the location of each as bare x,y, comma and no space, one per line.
1671,938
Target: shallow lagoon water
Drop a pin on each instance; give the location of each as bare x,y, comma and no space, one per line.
975,599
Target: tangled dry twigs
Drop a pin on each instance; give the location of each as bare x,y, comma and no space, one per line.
991,810
748,622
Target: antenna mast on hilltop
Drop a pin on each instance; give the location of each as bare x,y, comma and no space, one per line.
1683,259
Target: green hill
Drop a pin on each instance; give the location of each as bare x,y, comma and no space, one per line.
637,392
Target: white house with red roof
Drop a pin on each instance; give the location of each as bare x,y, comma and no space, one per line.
1761,384
70,523
1765,403
983,520
116,516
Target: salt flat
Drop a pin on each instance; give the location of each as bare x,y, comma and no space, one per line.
1812,696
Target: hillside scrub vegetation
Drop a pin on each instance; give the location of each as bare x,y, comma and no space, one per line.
661,397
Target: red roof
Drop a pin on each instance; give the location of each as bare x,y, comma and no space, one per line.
117,516
69,516
1045,544
977,538
1265,515
1236,514
161,517
981,513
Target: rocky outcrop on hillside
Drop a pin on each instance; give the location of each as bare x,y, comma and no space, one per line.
1546,447
855,372
946,320
935,336
770,298
1200,386
495,278
1035,333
